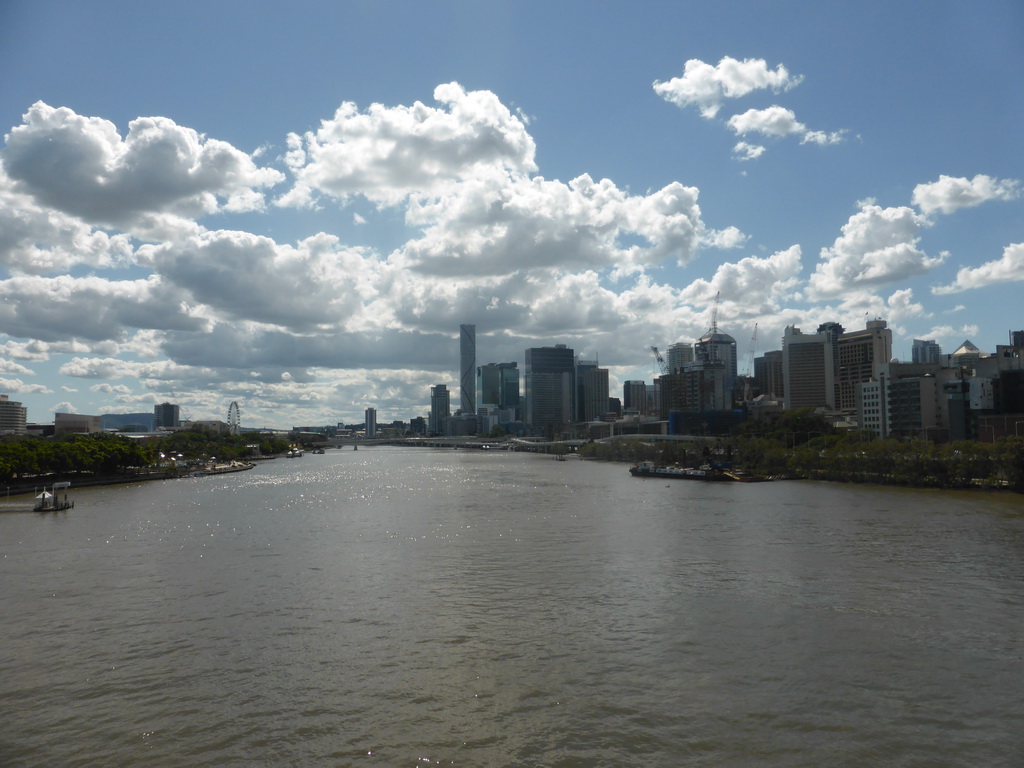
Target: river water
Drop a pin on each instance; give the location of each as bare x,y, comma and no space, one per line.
406,607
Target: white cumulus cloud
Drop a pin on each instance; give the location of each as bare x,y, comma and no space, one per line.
82,166
706,87
1008,268
242,276
388,153
950,194
778,122
746,151
878,246
755,283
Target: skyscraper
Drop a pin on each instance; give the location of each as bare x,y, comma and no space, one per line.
499,385
440,409
858,352
550,386
467,371
768,374
808,369
715,346
634,396
593,393
582,367
371,422
679,354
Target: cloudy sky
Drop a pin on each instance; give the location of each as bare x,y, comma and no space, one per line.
295,206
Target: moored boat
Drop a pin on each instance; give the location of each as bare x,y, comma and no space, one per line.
706,472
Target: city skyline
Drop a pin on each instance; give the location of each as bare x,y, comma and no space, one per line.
297,210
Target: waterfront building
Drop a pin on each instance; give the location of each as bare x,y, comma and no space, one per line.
462,425
440,409
13,417
213,426
808,365
824,369
371,422
128,422
699,387
166,415
906,400
467,370
487,416
857,353
550,387
75,423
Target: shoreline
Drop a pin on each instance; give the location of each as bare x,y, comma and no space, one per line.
19,491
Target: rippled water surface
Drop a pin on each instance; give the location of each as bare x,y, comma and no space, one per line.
396,607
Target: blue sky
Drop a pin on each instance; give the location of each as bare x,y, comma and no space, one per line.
294,207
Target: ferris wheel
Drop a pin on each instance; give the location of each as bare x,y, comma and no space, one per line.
234,418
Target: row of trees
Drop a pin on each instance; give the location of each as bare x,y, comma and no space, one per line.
802,445
106,454
98,454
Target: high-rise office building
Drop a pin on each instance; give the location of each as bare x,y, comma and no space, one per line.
634,396
808,364
582,366
925,351
824,369
699,387
550,386
166,415
498,384
467,370
593,393
858,353
440,409
715,346
679,354
371,422
768,374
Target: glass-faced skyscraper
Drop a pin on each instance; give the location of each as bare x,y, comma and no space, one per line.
498,384
550,386
440,410
467,369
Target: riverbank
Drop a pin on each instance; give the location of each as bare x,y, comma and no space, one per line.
38,484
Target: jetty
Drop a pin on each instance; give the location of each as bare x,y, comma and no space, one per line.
51,501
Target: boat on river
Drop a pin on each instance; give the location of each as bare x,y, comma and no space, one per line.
706,472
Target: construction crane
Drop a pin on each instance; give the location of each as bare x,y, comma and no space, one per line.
749,370
661,361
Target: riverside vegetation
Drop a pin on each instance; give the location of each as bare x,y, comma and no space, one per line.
26,460
802,445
